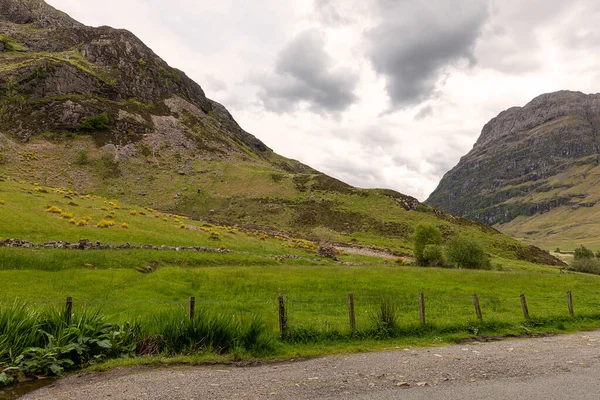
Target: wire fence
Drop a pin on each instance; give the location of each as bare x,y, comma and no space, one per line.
352,312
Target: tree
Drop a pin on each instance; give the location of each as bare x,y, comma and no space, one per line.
467,253
583,252
433,256
425,234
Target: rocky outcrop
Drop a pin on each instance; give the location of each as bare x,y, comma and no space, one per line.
516,164
65,73
35,12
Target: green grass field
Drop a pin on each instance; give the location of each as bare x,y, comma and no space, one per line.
246,281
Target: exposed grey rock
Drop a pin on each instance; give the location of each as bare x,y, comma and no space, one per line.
518,153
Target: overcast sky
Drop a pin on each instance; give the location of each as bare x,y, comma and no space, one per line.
377,93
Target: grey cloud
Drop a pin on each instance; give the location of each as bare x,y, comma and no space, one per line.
415,42
329,12
304,74
424,112
511,43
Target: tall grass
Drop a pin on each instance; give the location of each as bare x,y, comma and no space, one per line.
18,330
175,333
48,342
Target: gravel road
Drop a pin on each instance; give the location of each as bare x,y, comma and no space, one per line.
556,367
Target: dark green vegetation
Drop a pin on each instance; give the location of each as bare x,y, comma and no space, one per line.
460,251
533,173
50,342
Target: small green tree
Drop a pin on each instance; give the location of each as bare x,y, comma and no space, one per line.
433,256
467,253
425,234
583,252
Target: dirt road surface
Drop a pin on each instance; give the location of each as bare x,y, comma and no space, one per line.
549,368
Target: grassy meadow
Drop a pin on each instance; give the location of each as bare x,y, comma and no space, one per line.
245,281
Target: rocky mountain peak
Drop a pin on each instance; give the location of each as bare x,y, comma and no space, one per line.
528,160
540,110
35,12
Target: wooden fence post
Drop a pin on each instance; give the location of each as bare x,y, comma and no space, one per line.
192,308
351,311
282,317
422,307
69,309
524,306
570,302
477,308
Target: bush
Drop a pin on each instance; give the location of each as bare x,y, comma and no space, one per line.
467,253
433,256
425,235
66,214
583,252
105,223
54,210
586,265
96,123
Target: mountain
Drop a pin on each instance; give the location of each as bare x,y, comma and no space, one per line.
533,173
95,110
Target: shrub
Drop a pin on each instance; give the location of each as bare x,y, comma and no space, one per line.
81,222
82,157
587,265
73,221
66,214
86,218
105,223
223,247
132,212
54,210
142,212
433,256
124,225
424,235
182,226
96,123
2,202
467,253
583,252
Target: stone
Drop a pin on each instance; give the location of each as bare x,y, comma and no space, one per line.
328,251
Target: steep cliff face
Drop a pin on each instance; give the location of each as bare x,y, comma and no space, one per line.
528,160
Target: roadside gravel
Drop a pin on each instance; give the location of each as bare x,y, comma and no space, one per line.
399,373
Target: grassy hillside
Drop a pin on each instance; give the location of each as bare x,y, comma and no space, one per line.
566,226
340,214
